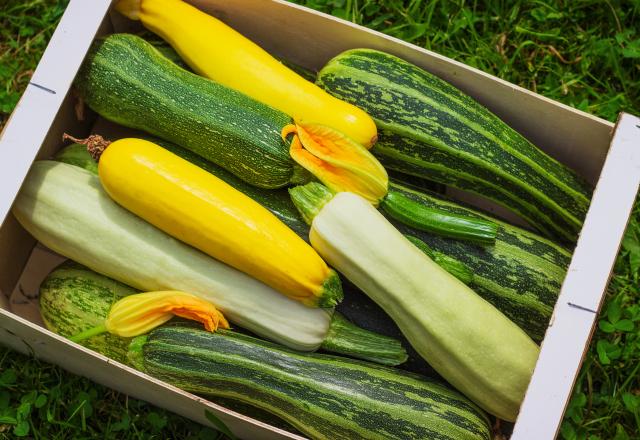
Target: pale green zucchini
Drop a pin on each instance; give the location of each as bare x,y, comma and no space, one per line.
74,298
468,341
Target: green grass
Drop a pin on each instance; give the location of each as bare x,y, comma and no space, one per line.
584,53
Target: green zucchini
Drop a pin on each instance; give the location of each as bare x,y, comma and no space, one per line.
73,298
464,338
325,397
428,128
405,210
127,80
521,274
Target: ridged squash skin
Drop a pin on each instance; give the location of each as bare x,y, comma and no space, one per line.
128,81
216,51
65,208
428,128
463,337
325,397
205,212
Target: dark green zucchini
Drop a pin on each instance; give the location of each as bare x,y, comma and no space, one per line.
325,397
127,80
430,129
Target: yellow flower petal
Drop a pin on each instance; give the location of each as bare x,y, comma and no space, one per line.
138,314
337,161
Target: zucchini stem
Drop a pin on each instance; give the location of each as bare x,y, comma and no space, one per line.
439,222
95,144
348,339
309,199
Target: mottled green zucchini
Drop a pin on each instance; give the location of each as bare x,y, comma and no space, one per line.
325,397
127,80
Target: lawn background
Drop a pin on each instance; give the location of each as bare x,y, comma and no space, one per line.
584,53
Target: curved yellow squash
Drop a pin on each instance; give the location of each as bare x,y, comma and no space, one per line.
218,52
203,211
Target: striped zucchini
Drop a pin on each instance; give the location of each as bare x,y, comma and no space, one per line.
127,80
325,397
74,298
521,274
429,128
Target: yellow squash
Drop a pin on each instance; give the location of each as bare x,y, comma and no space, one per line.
203,211
216,51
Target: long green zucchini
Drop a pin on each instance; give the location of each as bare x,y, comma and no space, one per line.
429,128
73,298
521,274
325,397
127,80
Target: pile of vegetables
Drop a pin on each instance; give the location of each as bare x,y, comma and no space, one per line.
254,190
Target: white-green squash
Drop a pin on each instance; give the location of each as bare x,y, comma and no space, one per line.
66,209
466,339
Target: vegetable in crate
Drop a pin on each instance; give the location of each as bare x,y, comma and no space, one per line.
463,337
65,208
216,51
521,274
429,128
205,212
75,299
325,397
126,80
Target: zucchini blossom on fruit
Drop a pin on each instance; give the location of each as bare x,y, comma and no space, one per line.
140,313
337,161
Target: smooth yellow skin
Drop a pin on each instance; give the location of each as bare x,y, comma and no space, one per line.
203,211
216,51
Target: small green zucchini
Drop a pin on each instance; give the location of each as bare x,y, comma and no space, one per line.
436,221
